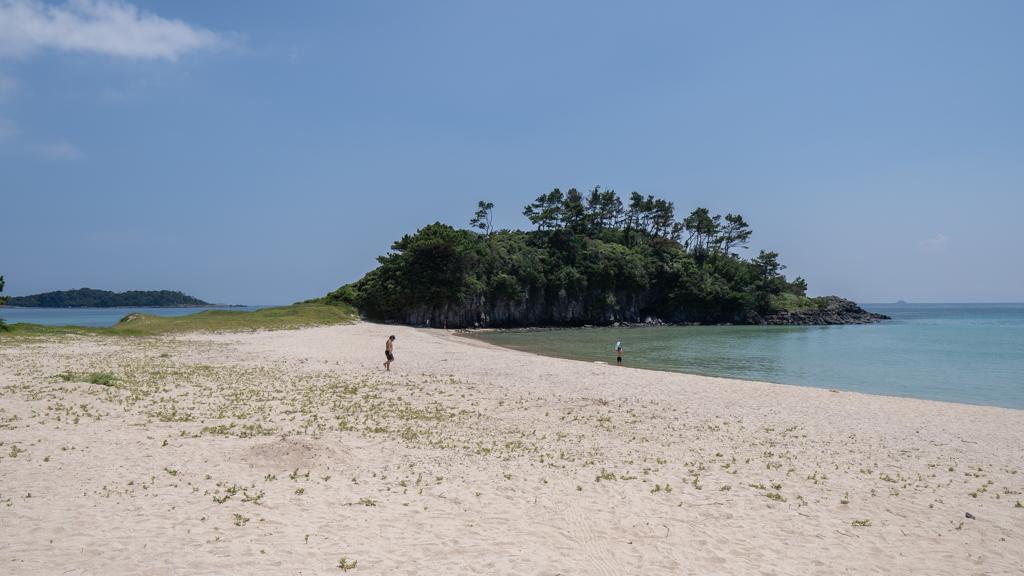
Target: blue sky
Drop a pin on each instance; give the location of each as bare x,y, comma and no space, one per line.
264,152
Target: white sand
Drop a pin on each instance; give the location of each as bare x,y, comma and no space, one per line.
281,452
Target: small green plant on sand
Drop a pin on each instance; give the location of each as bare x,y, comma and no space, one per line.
345,564
101,378
865,522
254,498
241,520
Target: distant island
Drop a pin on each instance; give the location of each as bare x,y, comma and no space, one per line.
592,259
91,298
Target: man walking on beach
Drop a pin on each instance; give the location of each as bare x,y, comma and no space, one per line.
618,352
389,348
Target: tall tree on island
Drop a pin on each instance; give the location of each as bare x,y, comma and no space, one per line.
482,217
735,233
703,229
604,209
546,211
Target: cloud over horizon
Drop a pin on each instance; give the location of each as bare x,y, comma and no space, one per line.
62,149
109,27
7,128
934,242
7,84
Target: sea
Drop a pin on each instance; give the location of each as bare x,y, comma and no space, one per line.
967,353
97,317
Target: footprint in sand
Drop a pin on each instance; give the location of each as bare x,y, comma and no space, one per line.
581,533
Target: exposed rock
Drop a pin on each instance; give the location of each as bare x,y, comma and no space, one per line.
834,310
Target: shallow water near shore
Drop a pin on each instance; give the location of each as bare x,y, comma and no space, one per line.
969,353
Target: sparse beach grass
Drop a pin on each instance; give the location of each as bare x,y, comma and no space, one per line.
289,445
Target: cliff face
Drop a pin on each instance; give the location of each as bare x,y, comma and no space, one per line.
624,308
537,310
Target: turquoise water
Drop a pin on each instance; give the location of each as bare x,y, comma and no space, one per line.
970,353
96,317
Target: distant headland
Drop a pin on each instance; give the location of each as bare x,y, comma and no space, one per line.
92,298
593,258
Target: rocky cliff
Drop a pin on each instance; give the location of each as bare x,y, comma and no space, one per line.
624,308
532,311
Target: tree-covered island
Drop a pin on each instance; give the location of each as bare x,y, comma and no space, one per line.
91,298
590,259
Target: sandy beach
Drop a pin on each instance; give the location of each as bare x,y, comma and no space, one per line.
292,452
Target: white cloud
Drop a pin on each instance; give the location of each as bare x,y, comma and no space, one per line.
7,128
7,84
108,27
937,241
62,149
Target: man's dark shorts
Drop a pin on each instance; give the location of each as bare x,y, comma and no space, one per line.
390,356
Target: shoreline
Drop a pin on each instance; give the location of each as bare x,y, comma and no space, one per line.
844,386
282,451
469,336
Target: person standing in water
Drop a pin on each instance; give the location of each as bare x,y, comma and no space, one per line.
618,352
389,349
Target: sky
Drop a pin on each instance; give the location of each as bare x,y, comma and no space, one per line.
268,152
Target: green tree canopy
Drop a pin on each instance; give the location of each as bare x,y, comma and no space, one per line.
591,258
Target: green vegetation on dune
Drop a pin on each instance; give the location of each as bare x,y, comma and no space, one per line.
790,302
279,318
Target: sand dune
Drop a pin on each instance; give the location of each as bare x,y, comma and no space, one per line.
292,452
